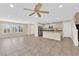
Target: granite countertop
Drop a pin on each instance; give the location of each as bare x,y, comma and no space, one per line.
53,30
47,30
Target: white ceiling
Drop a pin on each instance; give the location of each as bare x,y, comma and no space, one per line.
55,13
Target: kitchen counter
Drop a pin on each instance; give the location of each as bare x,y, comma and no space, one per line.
56,35
50,30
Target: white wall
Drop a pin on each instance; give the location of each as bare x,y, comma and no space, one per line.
36,29
16,21
32,29
67,28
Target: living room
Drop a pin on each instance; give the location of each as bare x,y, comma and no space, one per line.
38,29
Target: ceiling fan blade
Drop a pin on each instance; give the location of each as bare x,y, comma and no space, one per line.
31,14
38,14
38,6
44,12
28,9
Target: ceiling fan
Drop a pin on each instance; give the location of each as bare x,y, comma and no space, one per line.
37,10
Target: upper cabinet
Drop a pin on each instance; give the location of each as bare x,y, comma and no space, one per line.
52,26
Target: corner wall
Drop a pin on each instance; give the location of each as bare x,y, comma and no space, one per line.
67,29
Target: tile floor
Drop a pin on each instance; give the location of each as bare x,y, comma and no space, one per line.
37,46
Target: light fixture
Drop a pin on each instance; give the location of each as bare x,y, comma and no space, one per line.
11,5
60,6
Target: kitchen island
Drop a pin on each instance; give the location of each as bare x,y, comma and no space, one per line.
52,34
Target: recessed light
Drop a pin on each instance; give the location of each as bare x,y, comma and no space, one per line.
11,6
60,6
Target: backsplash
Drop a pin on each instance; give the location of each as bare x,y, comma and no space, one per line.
52,27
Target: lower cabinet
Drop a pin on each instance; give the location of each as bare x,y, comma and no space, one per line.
52,35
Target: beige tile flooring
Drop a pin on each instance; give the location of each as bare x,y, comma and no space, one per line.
37,46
